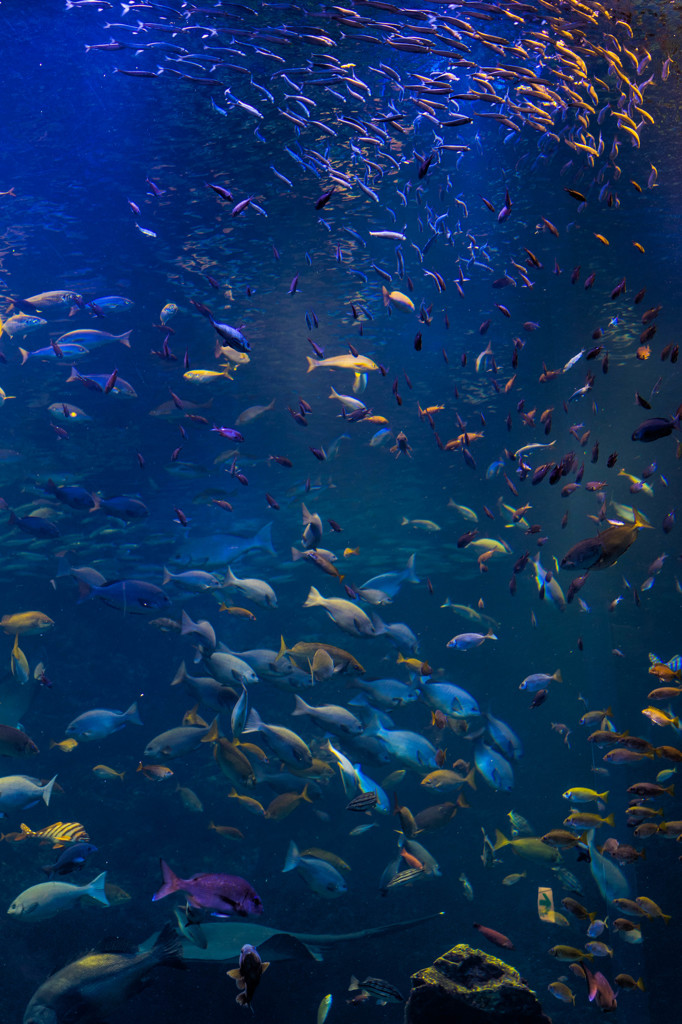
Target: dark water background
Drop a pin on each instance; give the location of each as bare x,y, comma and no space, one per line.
78,140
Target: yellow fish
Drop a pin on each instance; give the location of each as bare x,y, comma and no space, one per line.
397,299
66,745
26,622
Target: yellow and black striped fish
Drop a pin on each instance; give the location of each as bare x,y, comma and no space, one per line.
60,834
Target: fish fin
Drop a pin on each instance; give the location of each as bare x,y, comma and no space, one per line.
170,882
264,966
234,973
292,858
187,625
132,715
500,840
213,735
354,984
253,722
282,649
263,539
166,576
558,676
471,778
314,597
47,791
168,948
409,568
181,674
304,796
301,707
96,889
641,520
125,338
311,364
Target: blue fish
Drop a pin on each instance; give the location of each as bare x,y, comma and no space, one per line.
391,582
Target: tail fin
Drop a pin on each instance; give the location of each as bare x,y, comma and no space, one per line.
167,949
301,707
24,355
264,539
471,778
96,889
282,649
85,590
47,791
132,716
166,576
213,735
641,521
311,364
180,675
125,338
314,597
409,568
292,858
171,882
253,722
500,840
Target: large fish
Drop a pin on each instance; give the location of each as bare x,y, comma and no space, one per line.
224,941
219,549
88,989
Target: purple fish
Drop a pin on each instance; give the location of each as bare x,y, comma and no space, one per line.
223,895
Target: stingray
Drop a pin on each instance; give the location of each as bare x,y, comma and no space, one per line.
222,942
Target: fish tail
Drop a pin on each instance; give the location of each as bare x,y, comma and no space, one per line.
166,576
212,736
500,840
558,676
167,949
314,597
301,707
170,882
96,889
387,301
304,794
641,520
180,675
24,355
47,791
292,858
311,364
282,649
263,539
253,722
132,715
411,575
125,338
471,778
85,591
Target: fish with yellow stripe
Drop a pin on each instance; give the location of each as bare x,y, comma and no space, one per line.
60,834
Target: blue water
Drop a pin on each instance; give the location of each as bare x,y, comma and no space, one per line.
79,142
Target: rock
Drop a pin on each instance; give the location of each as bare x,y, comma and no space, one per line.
468,986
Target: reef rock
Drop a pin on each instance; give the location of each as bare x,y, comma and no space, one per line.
468,986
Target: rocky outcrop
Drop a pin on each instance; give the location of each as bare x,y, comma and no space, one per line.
468,986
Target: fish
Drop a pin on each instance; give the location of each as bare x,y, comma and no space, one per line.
222,895
99,723
323,878
248,974
95,984
378,989
47,899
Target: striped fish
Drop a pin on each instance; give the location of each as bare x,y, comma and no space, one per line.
60,834
378,989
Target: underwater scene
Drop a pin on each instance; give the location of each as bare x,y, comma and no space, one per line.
339,477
